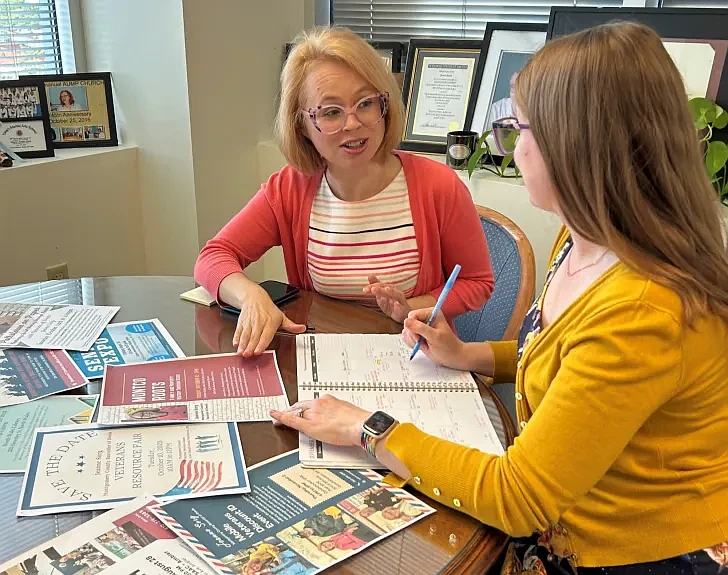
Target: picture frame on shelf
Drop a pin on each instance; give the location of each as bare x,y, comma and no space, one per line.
696,38
81,109
391,53
507,47
438,81
25,126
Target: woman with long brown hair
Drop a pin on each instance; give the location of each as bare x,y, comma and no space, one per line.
621,367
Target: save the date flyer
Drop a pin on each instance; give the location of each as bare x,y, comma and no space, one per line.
95,468
225,387
296,520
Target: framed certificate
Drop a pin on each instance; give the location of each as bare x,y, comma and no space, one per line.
439,77
81,110
696,38
24,122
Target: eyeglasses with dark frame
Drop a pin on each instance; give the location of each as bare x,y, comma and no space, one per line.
331,118
506,132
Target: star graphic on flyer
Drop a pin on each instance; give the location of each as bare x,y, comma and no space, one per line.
80,463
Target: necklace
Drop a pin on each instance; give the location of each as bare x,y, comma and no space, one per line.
595,262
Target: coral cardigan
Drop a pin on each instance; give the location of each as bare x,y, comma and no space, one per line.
624,416
447,230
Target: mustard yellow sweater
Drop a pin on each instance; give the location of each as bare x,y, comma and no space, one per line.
623,412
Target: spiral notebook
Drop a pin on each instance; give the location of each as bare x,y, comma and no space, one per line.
374,372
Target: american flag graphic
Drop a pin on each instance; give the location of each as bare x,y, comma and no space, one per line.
199,476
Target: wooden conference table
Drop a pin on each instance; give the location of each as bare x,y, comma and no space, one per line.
446,542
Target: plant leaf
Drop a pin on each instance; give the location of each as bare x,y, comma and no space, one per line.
474,159
703,107
506,162
716,157
721,120
701,122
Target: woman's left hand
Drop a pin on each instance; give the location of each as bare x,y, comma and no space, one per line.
390,299
327,419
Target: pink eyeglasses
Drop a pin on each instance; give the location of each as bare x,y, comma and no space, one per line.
331,119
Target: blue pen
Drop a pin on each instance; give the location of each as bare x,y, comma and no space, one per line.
435,310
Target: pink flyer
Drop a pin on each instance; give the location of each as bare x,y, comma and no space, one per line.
224,387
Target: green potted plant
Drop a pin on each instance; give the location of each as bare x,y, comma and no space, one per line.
482,156
709,116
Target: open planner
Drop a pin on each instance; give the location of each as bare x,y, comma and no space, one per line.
374,372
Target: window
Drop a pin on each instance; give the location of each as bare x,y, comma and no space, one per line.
33,36
75,292
382,20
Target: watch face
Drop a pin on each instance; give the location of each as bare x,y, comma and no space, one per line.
378,423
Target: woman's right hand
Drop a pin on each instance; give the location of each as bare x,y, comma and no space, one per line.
439,343
258,322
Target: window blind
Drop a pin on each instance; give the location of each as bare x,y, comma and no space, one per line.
387,20
49,293
29,38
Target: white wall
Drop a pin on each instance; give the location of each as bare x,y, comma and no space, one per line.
142,43
197,86
80,209
233,70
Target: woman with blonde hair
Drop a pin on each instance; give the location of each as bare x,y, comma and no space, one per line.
356,220
621,369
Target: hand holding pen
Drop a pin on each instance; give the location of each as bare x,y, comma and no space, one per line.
438,306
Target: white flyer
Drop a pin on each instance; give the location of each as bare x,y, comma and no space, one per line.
71,327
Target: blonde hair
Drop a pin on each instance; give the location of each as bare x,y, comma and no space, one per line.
330,45
608,110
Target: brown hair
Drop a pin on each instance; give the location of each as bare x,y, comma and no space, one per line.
334,45
609,112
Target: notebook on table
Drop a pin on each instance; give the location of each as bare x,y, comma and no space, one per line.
374,372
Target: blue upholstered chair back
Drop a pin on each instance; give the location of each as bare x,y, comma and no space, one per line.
513,269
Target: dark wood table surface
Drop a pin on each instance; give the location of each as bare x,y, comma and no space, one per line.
446,542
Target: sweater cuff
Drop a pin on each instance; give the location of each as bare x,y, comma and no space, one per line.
413,447
505,354
217,274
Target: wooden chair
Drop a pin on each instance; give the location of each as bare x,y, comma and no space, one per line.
514,268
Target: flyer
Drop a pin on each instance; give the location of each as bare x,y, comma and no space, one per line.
93,468
225,387
28,374
129,540
19,422
130,342
295,520
73,327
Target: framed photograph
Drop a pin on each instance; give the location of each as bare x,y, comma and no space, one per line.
24,123
81,109
697,40
391,53
438,81
506,49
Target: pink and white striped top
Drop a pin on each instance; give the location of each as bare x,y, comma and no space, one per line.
348,241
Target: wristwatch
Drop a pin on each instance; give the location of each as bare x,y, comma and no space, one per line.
372,430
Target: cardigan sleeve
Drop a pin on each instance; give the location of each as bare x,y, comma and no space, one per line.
463,242
624,363
242,241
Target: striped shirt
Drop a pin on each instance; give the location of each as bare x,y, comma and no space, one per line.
348,241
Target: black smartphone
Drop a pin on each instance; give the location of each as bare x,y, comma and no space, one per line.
279,292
